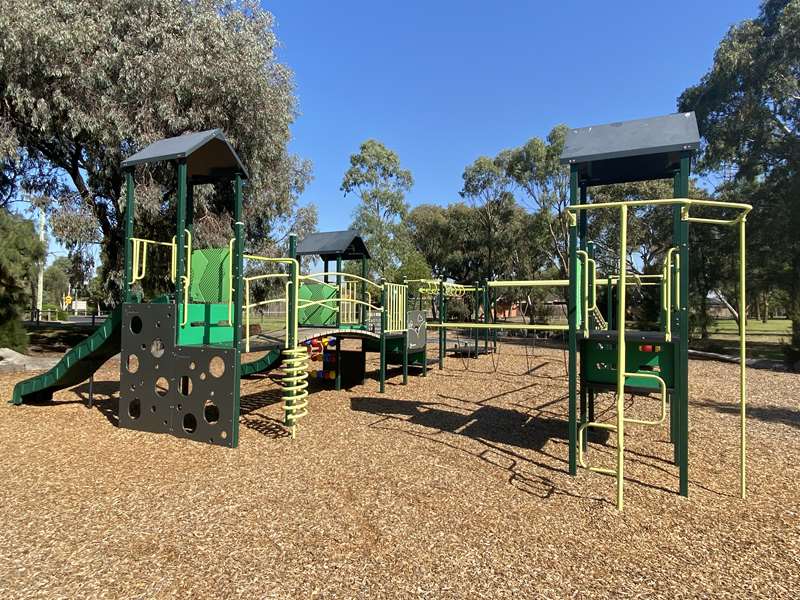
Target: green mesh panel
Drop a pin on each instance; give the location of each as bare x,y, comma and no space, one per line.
210,282
318,315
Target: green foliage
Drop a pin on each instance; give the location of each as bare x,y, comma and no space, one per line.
487,186
749,115
452,240
378,179
56,280
86,84
20,254
535,167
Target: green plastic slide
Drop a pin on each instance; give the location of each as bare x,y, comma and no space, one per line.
77,365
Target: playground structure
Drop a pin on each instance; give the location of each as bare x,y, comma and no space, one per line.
181,352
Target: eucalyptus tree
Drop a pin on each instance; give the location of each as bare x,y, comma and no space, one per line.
748,109
381,183
85,84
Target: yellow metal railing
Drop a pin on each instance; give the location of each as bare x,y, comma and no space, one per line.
348,292
140,247
395,295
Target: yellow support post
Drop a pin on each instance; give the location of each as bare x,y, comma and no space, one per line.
742,365
623,272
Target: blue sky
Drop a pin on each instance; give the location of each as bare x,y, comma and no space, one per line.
442,83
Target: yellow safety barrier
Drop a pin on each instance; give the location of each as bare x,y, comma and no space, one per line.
395,299
348,292
295,384
139,247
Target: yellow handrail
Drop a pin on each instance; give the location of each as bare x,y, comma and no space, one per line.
139,251
685,202
663,385
510,326
340,273
581,459
529,283
186,279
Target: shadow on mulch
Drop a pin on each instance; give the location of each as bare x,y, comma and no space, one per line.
490,426
486,424
768,414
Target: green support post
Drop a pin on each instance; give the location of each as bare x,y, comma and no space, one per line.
674,397
486,315
582,235
180,241
291,311
683,343
294,281
364,308
592,325
238,268
382,374
441,329
338,380
405,357
573,326
477,310
130,210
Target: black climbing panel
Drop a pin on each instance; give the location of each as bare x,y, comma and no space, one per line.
187,391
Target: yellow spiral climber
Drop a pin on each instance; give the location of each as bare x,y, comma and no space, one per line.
294,382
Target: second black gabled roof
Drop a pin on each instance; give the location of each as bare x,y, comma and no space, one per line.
330,244
209,156
636,150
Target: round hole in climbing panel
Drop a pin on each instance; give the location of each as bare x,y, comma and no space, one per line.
216,366
211,412
136,324
185,385
132,364
162,386
157,348
223,434
192,366
134,409
189,423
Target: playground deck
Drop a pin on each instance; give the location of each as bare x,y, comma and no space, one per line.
454,486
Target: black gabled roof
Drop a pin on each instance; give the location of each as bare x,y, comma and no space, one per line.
330,244
636,150
209,155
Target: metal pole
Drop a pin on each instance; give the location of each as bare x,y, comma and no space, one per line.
338,380
238,271
180,241
683,342
382,369
441,329
572,313
623,269
405,357
742,366
130,209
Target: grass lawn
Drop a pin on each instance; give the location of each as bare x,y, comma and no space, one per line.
776,327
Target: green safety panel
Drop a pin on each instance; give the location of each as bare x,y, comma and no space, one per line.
318,315
207,324
656,358
210,281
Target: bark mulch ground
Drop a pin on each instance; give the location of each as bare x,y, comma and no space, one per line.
454,486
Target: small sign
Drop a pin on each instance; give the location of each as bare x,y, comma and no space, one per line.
79,305
67,300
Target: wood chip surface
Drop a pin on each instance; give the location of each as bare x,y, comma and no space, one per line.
454,486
